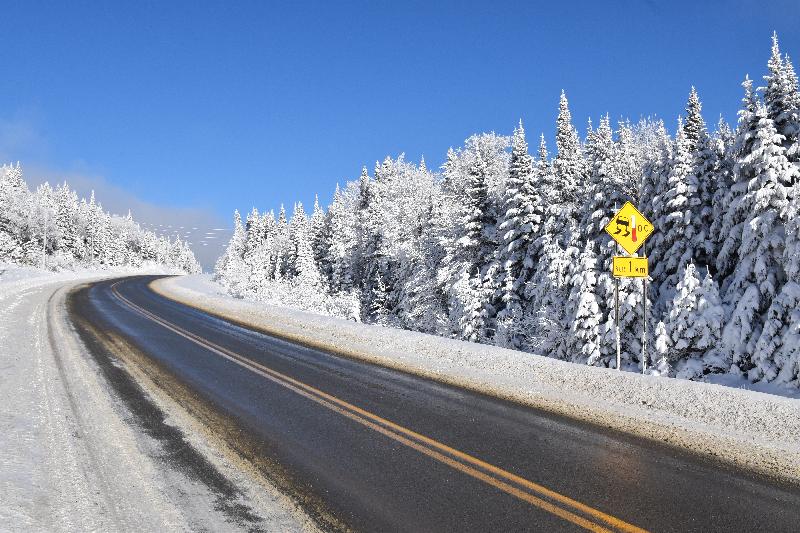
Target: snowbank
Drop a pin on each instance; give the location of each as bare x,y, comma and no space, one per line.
747,428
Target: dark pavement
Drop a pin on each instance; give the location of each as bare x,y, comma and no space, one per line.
380,450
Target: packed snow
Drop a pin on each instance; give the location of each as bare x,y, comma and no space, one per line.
72,459
744,427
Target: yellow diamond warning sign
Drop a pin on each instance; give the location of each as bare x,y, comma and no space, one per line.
629,228
630,267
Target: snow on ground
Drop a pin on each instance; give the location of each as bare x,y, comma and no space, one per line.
744,427
741,382
71,458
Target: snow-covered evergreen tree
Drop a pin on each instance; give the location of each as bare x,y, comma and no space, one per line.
474,178
782,99
693,323
584,341
52,229
520,248
231,268
677,223
569,165
704,173
756,230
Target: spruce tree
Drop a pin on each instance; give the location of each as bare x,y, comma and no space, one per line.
723,146
655,177
782,99
604,189
693,322
569,165
584,341
704,172
763,181
318,235
678,227
520,250
230,268
730,206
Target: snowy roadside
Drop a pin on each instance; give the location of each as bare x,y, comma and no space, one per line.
73,458
746,428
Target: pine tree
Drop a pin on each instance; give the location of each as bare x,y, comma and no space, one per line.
318,235
549,291
66,218
605,191
782,99
756,221
662,347
283,259
694,128
520,249
305,268
584,343
569,165
373,267
341,221
704,172
693,322
655,176
678,227
230,268
776,356
730,227
627,162
473,177
723,146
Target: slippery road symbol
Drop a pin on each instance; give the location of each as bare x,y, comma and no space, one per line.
623,224
629,228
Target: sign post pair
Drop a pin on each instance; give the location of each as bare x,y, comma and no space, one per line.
630,229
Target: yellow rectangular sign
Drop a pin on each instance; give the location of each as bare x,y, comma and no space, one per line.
629,228
630,267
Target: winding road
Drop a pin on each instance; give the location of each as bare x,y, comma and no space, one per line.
366,448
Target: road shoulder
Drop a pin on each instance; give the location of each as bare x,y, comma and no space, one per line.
76,457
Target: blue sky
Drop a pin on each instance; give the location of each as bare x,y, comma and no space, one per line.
192,109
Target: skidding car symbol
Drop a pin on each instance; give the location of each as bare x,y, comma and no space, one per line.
623,224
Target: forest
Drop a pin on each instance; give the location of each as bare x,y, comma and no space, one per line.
54,230
505,245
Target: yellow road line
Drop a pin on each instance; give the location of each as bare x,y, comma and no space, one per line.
405,436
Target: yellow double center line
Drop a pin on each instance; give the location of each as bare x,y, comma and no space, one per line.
528,491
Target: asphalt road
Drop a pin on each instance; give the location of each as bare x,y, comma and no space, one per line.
372,449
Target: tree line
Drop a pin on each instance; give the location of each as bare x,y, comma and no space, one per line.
53,229
507,247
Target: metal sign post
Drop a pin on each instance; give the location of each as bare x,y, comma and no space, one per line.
616,323
644,318
630,229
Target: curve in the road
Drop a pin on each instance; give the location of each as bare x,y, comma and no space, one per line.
494,476
390,451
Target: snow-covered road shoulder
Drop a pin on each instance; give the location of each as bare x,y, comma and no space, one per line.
74,456
748,429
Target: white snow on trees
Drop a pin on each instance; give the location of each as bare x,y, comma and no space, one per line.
506,248
52,229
